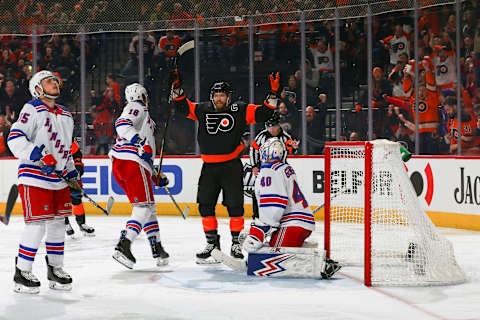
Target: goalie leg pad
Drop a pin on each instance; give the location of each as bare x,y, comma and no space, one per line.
287,262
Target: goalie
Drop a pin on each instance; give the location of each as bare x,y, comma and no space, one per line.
286,219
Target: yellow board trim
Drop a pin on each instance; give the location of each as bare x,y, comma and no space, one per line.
440,219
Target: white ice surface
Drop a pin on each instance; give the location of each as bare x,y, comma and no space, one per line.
103,289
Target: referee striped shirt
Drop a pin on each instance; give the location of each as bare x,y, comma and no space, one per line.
260,139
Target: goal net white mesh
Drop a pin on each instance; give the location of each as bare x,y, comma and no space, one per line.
406,248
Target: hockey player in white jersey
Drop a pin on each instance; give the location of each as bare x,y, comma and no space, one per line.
132,157
41,139
285,221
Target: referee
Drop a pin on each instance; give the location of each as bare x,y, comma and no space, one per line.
272,129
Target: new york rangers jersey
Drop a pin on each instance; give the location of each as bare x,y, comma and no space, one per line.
281,202
38,125
133,120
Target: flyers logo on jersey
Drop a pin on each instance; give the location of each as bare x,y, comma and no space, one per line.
219,122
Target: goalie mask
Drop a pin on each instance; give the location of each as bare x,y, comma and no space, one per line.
272,150
221,86
136,92
36,82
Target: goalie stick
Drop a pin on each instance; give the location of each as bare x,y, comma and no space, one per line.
12,198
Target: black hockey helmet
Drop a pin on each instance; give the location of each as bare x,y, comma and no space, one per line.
221,86
273,120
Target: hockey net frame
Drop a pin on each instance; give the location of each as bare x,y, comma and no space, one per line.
401,246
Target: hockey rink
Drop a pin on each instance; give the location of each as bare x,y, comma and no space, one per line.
103,289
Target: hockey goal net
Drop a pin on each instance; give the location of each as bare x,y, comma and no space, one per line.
373,219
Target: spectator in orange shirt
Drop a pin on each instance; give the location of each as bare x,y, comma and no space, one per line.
111,83
469,123
103,123
167,47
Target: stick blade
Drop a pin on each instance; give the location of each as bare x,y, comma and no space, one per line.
185,212
110,203
11,200
185,47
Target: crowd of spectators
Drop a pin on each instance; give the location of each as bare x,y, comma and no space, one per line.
224,54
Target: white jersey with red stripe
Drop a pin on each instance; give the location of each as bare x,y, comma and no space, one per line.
134,119
281,203
39,125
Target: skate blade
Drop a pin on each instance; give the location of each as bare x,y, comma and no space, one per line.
19,288
120,258
162,262
207,261
59,286
231,262
90,235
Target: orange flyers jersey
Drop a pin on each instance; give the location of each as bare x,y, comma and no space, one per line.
171,46
467,129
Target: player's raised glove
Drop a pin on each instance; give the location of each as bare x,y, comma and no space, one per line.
275,83
175,79
161,180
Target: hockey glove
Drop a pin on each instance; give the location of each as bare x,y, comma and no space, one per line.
136,139
258,232
47,163
146,153
37,153
72,175
175,79
275,82
161,180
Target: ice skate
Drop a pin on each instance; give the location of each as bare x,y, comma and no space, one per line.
25,281
122,251
205,256
87,230
59,278
236,250
158,253
68,229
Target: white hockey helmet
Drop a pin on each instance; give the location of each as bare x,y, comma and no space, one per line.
272,150
136,92
36,82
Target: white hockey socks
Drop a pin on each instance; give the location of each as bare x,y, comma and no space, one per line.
31,238
151,225
55,241
140,215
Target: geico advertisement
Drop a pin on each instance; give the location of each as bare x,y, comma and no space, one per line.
441,184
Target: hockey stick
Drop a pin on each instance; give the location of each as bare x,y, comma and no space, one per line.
74,184
341,191
12,198
183,213
184,48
